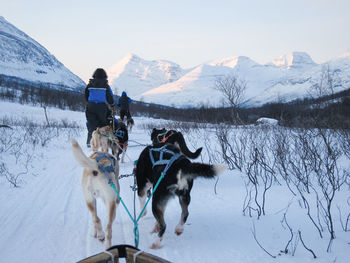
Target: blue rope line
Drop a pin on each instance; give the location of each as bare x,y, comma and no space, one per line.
136,229
174,157
149,198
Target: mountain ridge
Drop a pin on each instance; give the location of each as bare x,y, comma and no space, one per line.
288,77
133,70
24,58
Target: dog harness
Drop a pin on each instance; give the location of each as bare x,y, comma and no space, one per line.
119,134
162,161
106,169
163,135
109,137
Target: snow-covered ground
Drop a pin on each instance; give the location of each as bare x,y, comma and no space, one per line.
46,219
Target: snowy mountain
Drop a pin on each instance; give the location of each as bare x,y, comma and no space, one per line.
136,75
21,57
294,60
286,78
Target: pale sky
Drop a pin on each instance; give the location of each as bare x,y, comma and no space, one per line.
85,34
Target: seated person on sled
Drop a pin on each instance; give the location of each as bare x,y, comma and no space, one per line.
97,94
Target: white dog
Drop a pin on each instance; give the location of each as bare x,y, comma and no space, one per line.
95,183
100,139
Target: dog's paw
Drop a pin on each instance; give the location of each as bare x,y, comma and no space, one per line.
101,236
156,244
179,229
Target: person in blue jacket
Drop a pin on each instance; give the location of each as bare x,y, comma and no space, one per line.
123,103
97,94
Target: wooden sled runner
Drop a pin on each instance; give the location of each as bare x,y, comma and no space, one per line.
130,253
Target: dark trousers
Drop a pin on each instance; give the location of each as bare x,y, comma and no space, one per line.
96,116
124,113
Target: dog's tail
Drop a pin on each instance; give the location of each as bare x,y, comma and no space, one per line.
81,158
184,149
195,170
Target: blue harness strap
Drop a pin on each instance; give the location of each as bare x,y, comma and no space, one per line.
162,161
106,169
119,133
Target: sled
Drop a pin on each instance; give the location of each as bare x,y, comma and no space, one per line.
130,253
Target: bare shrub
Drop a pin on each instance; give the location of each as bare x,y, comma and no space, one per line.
19,146
330,176
282,154
306,160
344,139
346,223
233,89
249,150
233,143
309,164
259,169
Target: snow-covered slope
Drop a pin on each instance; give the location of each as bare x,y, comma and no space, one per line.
294,60
136,75
286,78
22,57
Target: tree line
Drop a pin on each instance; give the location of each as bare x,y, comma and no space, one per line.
331,110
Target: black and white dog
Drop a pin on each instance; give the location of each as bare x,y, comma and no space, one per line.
130,123
121,132
173,137
178,180
120,146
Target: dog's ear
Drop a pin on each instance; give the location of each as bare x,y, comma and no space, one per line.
163,130
154,129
